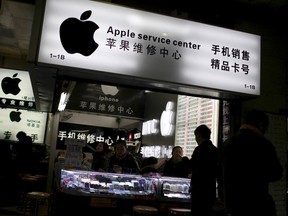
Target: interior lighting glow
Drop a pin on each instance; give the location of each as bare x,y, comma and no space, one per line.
63,101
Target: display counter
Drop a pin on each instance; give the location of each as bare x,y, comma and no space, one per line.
102,184
110,190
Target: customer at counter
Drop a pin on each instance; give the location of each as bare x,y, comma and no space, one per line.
123,161
204,173
177,165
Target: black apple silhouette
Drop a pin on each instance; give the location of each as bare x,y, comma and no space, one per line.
15,116
77,35
10,85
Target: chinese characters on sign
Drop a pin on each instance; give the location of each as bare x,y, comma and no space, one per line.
235,54
105,99
31,122
80,137
150,47
17,103
88,136
139,48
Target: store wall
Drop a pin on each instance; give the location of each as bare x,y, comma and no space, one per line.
274,97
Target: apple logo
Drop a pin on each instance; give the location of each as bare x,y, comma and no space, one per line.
77,35
10,85
167,120
15,116
109,90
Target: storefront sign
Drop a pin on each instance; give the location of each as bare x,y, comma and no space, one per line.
118,40
31,122
16,89
105,99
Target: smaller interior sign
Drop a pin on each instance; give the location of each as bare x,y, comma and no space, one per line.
31,122
16,89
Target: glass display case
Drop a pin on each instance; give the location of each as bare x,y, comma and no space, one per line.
107,184
174,188
114,185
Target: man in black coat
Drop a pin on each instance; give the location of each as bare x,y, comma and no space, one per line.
248,163
204,173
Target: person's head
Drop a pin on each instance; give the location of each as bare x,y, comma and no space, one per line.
102,147
60,157
21,135
202,133
60,154
120,148
29,139
150,161
177,153
258,119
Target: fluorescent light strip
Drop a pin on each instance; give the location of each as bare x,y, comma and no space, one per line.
63,101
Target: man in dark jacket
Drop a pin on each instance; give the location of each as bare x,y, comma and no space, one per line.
177,165
123,161
204,173
248,163
23,153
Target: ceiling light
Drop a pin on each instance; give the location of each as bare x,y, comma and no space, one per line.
63,101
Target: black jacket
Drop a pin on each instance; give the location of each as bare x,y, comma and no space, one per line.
129,164
180,169
100,161
248,164
204,161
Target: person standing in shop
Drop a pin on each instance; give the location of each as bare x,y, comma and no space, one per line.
177,165
100,161
9,180
123,161
248,163
203,164
23,155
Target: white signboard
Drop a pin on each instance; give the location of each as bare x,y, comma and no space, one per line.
14,120
113,39
16,89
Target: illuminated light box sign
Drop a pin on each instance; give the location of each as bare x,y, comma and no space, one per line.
106,99
16,89
123,41
14,120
